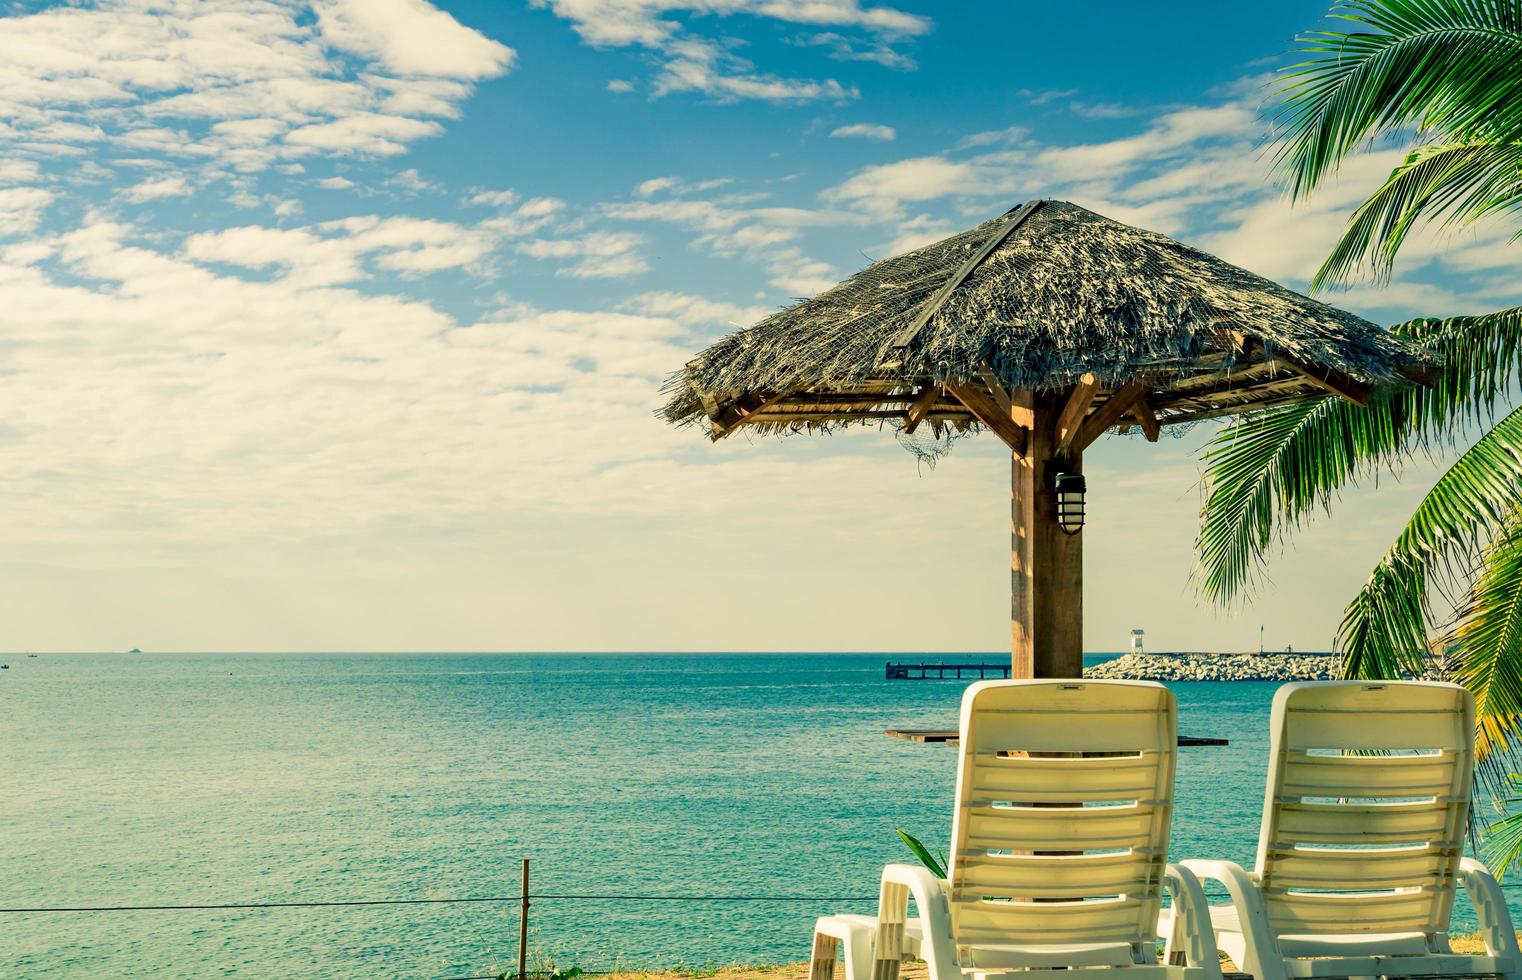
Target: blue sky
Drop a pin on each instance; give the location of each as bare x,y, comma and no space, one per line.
340,325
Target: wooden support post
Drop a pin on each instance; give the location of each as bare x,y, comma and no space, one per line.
1046,565
523,926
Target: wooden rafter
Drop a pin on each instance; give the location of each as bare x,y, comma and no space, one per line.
982,406
1338,383
1070,419
1426,375
996,388
1146,418
921,407
738,411
1106,415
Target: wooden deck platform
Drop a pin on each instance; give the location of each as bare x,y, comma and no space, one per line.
925,671
950,736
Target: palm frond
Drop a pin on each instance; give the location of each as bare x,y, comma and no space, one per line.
1268,473
1443,66
1503,838
922,853
1384,629
1451,183
1485,644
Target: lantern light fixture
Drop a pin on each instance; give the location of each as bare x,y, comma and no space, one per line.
1070,489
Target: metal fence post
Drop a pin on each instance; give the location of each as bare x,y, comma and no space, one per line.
523,926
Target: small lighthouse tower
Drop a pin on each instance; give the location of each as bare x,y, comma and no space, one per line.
1136,641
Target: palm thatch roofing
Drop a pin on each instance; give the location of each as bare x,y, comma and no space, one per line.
1047,297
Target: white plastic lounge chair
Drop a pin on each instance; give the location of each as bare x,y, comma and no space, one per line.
1363,840
1058,848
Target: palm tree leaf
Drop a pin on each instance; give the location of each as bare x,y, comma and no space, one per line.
1451,183
1485,642
1268,473
1384,630
920,851
1503,838
1444,66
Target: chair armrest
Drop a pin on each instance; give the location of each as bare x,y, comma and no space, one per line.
1262,946
1489,903
938,949
1191,933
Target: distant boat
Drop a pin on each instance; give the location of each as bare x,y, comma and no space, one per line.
5,666
32,655
134,650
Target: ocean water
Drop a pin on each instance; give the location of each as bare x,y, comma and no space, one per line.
163,779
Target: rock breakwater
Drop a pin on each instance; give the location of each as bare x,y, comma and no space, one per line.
1218,667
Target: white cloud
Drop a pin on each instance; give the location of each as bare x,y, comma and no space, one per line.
361,132
708,69
1164,138
842,48
241,84
620,86
315,408
18,171
694,311
605,255
655,185
676,185
867,131
884,188
21,209
412,37
693,64
333,252
529,217
495,199
155,188
917,231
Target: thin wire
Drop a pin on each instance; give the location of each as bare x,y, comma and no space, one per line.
440,901
716,898
479,899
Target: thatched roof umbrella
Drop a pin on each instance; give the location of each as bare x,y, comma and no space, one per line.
1048,326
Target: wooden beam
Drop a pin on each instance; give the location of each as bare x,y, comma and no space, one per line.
1106,415
1070,419
735,414
1426,375
1333,380
1013,219
1001,397
921,407
947,410
1147,419
983,408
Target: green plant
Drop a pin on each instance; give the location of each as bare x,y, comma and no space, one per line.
1447,76
572,974
924,855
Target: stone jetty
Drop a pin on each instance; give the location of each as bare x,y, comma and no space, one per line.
1218,667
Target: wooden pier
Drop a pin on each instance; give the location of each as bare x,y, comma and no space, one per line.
950,736
923,671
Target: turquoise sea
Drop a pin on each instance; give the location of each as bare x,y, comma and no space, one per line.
217,778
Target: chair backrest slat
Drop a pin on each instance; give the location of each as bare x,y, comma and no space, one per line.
1064,799
1367,804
